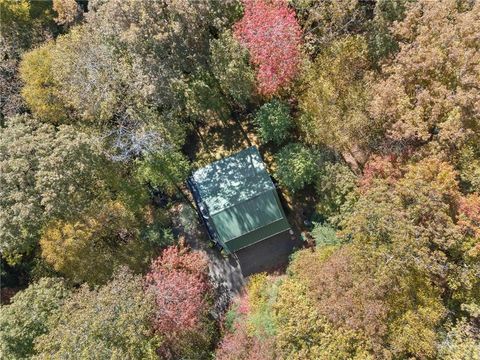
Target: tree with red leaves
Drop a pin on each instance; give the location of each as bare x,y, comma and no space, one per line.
179,282
269,30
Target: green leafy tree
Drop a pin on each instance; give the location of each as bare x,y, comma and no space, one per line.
334,185
381,41
27,316
230,66
111,322
22,144
168,48
274,121
92,79
296,166
165,170
23,24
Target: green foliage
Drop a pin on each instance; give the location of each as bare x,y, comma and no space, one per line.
334,185
274,122
27,317
164,170
24,23
111,322
296,166
168,54
229,62
73,175
325,235
92,79
204,100
22,144
469,164
262,293
381,41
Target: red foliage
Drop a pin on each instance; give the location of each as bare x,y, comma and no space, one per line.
178,279
270,31
381,167
469,209
238,345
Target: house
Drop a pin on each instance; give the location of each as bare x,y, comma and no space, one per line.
238,202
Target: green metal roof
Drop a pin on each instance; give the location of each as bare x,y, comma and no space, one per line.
238,200
232,180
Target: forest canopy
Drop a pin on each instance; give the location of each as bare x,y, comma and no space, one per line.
366,114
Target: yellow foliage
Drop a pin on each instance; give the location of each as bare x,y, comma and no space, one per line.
90,249
41,92
305,335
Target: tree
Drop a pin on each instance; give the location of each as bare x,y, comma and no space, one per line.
469,166
334,186
334,103
382,304
90,248
27,316
111,322
238,345
274,121
272,36
67,11
94,81
23,24
324,21
296,166
41,91
22,144
461,342
420,217
74,174
49,173
251,335
164,170
230,66
179,281
304,334
381,41
424,98
168,49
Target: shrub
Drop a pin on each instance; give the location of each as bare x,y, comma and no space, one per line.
274,121
334,186
297,166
